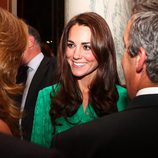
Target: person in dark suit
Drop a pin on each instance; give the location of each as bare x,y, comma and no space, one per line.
41,73
134,131
13,147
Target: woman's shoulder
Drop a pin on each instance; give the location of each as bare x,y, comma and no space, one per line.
44,95
121,89
4,128
123,98
49,89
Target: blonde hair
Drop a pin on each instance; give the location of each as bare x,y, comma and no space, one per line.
13,41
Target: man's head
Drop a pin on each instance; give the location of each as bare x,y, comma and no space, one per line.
34,45
145,5
140,59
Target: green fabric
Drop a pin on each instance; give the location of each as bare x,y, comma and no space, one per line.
42,132
123,99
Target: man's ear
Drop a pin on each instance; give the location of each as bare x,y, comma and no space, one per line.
31,41
140,59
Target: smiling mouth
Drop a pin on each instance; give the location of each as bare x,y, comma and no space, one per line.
79,64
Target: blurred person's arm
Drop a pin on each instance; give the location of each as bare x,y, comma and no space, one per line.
4,128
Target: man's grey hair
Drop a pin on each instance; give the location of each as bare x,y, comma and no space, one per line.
144,33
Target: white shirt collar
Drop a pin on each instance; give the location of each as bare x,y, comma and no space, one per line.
35,62
150,90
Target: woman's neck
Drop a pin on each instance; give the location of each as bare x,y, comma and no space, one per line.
84,87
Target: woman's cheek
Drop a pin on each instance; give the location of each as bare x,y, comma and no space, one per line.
68,53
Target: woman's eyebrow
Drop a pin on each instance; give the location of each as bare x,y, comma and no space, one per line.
85,43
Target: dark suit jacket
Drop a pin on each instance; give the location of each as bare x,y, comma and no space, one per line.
11,147
44,76
131,133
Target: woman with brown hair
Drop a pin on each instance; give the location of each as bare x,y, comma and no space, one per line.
13,41
87,80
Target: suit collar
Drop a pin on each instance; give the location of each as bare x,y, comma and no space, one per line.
149,90
35,62
148,100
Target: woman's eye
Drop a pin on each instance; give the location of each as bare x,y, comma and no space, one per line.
87,47
70,45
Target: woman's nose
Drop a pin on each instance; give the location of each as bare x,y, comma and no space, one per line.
77,53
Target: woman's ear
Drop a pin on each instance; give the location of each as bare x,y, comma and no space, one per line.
140,59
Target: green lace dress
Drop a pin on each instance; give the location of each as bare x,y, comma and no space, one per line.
42,132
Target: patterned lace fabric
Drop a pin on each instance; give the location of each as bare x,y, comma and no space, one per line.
42,132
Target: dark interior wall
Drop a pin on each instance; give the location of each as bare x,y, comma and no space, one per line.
46,16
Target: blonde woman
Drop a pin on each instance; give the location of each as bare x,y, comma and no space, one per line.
13,41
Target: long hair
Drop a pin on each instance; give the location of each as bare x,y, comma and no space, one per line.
102,91
13,41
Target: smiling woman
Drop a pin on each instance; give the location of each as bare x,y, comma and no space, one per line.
79,55
86,87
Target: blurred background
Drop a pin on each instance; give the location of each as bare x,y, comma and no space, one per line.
46,16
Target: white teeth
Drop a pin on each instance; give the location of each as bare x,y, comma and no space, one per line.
79,64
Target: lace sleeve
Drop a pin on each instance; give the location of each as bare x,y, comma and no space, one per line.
42,127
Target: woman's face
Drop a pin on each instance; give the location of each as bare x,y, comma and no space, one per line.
79,54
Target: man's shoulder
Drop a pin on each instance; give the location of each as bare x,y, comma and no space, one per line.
18,148
53,58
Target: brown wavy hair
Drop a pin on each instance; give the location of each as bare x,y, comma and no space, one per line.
102,92
13,41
